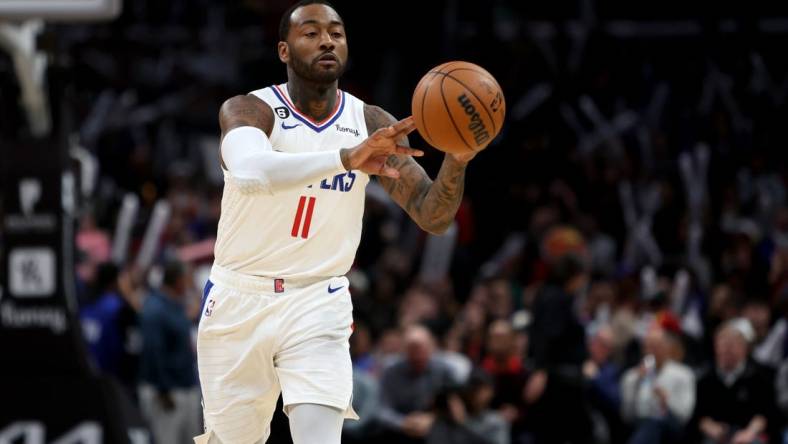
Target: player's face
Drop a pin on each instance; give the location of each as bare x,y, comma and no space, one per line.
316,48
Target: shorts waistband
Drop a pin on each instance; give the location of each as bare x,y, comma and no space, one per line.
246,282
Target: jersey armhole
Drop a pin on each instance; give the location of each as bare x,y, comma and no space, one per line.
261,94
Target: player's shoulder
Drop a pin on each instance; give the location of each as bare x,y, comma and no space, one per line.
245,109
245,103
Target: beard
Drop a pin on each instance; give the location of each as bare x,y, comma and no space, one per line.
314,72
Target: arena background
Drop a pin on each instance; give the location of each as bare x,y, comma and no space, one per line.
644,138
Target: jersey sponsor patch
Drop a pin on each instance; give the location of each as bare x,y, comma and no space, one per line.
282,112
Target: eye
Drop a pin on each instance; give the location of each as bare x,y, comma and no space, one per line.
337,35
311,34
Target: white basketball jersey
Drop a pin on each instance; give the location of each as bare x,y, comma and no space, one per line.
312,231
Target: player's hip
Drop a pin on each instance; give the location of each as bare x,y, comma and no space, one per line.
234,303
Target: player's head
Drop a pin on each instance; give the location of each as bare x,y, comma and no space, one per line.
312,41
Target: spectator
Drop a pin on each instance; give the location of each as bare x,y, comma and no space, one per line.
408,388
602,376
365,388
169,396
506,369
781,389
110,327
481,419
558,351
658,396
735,397
361,349
450,425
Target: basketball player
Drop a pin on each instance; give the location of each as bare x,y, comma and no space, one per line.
277,312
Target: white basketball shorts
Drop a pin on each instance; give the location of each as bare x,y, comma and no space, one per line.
258,337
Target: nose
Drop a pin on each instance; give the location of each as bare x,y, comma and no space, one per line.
326,43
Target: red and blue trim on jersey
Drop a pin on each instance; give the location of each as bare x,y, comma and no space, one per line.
306,120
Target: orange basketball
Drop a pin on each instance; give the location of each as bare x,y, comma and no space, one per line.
458,107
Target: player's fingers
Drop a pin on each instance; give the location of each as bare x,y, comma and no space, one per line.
405,129
406,124
383,133
408,151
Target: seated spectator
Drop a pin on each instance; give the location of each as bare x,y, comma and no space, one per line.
735,398
602,375
451,421
481,419
781,386
506,369
408,388
365,403
658,396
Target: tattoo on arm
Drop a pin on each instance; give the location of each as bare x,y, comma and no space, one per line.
245,111
431,204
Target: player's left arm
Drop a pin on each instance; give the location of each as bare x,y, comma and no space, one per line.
431,204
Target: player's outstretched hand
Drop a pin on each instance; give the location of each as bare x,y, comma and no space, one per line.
370,155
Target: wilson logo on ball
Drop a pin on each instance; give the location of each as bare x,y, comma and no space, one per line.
480,133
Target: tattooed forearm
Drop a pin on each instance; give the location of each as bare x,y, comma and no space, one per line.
432,205
442,200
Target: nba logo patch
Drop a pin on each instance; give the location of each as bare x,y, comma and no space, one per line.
209,308
279,285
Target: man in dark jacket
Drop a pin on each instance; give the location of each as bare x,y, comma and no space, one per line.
735,399
558,350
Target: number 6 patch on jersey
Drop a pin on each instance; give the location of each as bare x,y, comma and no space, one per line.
282,112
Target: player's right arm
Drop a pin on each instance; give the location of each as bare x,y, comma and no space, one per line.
246,151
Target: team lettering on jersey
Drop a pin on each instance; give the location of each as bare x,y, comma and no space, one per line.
341,182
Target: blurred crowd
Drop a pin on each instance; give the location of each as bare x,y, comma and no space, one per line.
616,273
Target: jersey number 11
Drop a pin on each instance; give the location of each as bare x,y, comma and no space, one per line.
307,219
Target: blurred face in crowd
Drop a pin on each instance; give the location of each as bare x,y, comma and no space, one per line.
730,349
655,343
500,339
600,347
500,298
390,342
419,346
722,305
316,48
481,397
759,316
600,294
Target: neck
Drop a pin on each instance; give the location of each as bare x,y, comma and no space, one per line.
314,99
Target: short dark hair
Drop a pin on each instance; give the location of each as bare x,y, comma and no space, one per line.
284,22
173,270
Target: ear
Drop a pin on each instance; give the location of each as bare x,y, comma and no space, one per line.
284,52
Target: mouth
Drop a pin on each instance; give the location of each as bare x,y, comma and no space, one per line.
328,60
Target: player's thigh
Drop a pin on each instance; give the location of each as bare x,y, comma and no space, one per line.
239,385
313,362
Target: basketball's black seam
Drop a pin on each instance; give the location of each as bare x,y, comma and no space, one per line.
484,105
448,111
423,120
